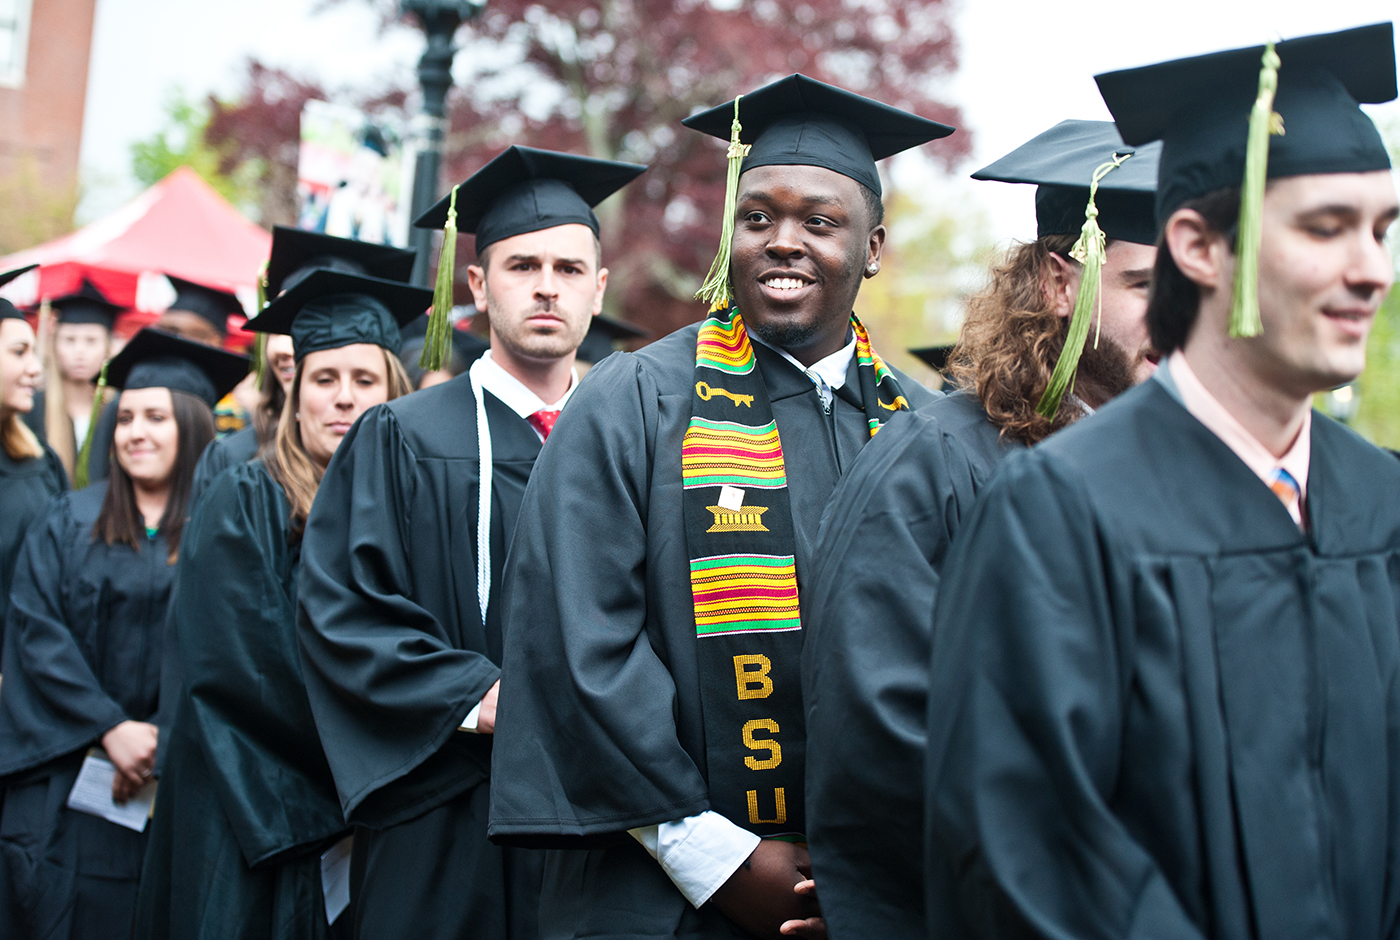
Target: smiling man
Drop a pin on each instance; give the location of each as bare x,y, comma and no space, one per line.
400,617
651,711
1164,695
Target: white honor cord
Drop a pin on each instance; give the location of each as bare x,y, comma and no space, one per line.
483,507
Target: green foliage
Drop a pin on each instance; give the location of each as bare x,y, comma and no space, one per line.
182,143
937,249
1378,413
1378,416
35,210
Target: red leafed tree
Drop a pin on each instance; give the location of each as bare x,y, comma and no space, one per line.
613,79
263,128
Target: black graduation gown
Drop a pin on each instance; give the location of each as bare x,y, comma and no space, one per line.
396,655
599,725
83,647
26,488
878,556
247,802
238,448
1157,709
223,452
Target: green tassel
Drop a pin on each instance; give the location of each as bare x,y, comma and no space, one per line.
1263,121
260,340
1090,251
715,290
438,343
82,469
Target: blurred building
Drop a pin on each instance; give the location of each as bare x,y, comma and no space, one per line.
44,51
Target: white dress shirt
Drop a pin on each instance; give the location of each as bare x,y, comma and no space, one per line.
826,374
514,394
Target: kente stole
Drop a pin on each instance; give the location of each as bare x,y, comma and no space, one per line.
743,574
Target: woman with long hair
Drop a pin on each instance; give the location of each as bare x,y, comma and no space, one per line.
83,650
30,473
77,344
295,254
248,806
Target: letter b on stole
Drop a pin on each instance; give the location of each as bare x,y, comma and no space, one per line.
753,683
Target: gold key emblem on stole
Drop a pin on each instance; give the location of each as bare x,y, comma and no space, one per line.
706,392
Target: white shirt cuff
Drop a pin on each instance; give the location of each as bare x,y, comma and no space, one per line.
469,722
698,853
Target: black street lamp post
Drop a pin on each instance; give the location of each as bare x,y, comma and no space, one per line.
439,19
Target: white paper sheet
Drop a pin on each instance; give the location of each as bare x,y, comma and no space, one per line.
335,878
92,794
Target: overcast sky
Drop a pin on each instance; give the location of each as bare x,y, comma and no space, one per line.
1025,65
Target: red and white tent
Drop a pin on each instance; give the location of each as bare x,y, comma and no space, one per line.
179,226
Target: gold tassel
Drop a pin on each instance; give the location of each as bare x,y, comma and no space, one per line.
1090,251
1263,122
715,291
80,474
437,345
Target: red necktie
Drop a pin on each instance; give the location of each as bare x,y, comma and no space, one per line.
543,421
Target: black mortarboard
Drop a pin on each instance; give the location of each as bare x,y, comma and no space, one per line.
330,309
158,360
1200,108
935,357
9,311
88,305
1061,163
602,332
525,190
296,253
208,303
798,121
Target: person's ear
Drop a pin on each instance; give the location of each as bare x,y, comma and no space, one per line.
874,249
476,283
1200,253
1061,284
602,286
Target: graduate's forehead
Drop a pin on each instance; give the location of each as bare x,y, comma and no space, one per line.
809,185
144,399
1371,194
571,242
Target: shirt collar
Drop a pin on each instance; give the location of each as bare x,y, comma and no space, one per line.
826,374
513,393
1206,408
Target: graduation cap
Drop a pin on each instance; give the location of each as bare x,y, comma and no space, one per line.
159,360
207,303
1241,117
521,190
296,253
1091,184
597,344
799,121
935,357
9,311
88,305
525,190
1061,163
330,309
